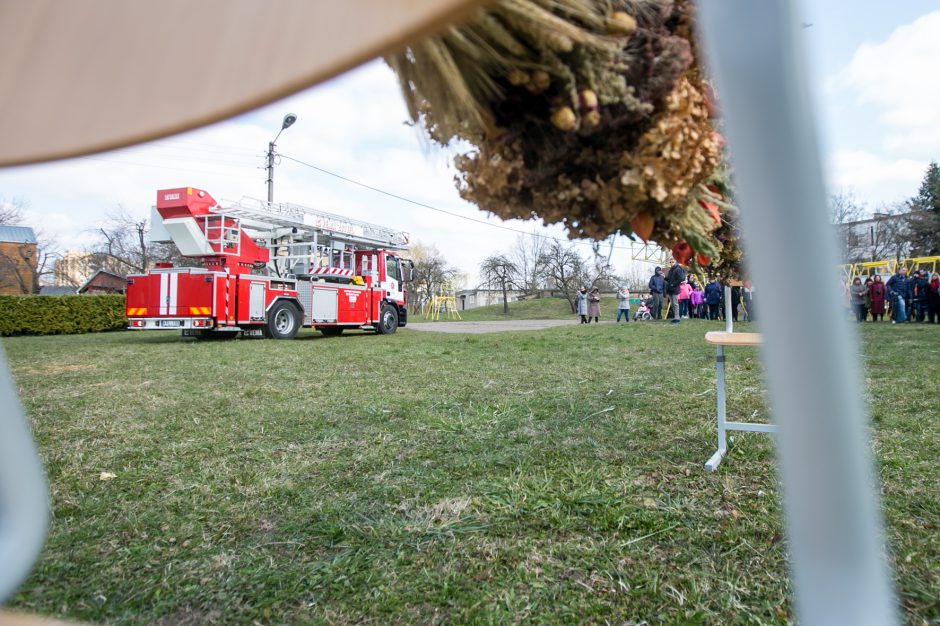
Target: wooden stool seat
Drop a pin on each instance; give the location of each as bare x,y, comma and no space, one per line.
722,338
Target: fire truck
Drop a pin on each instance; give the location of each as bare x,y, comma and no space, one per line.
268,270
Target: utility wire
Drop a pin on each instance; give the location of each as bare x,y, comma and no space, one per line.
434,208
376,190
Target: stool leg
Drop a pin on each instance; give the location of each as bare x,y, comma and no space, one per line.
722,417
713,462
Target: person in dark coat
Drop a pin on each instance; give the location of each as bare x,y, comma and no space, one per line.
747,294
876,292
735,301
657,289
713,299
898,290
674,279
919,284
933,299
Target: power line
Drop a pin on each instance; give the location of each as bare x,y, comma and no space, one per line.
370,188
434,208
208,146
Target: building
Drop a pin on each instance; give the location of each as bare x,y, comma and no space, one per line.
72,268
75,267
473,298
882,236
104,282
57,290
18,259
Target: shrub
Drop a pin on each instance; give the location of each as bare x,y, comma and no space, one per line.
60,315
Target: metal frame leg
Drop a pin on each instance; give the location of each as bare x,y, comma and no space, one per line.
716,458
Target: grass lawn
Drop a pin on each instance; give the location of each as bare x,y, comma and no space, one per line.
543,477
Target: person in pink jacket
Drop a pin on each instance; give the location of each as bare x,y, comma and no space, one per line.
695,302
685,292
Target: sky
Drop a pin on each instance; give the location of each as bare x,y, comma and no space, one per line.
873,76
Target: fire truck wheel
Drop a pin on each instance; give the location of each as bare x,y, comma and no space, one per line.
388,321
283,321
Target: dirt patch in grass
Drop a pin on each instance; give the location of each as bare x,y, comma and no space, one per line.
51,369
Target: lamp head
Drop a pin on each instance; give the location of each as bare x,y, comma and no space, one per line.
289,119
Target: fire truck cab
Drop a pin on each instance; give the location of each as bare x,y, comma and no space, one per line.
267,270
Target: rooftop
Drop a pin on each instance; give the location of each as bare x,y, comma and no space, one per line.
17,234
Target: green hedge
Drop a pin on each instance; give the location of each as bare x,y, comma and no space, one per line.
60,315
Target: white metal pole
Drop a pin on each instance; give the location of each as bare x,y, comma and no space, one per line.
729,322
831,510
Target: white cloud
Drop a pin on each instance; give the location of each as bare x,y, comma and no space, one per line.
876,178
899,77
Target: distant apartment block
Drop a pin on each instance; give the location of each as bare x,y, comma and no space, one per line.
74,268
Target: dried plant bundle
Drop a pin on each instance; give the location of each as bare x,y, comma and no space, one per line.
589,113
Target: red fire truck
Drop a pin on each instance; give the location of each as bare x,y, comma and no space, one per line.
268,269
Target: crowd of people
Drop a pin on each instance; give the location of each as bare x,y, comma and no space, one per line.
903,298
688,300
676,295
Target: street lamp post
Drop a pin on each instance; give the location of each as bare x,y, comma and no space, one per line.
289,119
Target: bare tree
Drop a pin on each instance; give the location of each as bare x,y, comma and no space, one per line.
845,209
565,271
528,256
11,211
888,234
124,245
431,272
636,278
500,272
601,274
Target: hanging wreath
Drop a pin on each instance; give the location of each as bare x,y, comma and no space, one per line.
588,113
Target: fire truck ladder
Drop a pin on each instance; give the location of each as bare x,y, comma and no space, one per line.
301,239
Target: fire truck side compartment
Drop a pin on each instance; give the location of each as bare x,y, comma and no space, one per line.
256,301
325,307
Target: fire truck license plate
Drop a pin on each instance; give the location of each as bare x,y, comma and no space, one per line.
171,323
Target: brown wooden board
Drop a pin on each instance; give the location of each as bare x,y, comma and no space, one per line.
83,77
722,338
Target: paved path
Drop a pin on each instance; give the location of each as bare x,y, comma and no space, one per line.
497,326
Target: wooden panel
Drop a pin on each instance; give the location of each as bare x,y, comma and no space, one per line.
722,338
81,77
